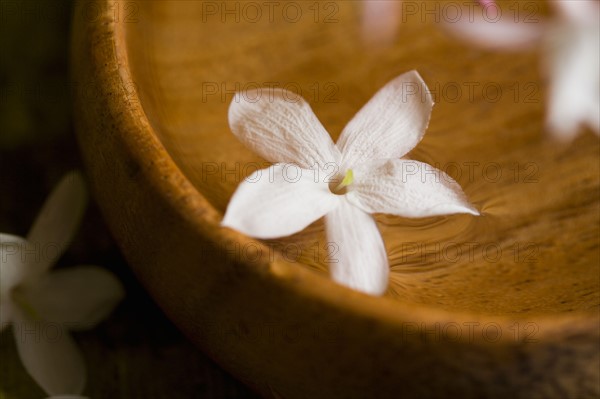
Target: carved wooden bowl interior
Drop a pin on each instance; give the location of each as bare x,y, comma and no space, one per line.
505,303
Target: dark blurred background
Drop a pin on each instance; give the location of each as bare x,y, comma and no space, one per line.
137,352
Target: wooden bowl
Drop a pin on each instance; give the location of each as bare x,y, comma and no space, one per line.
505,304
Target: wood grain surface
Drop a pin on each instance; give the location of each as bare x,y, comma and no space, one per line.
186,71
155,122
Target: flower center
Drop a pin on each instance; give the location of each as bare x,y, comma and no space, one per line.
341,188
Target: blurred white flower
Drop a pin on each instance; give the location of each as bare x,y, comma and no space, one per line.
380,20
367,174
486,3
40,305
571,43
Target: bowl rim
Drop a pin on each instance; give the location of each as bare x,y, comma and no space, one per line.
206,224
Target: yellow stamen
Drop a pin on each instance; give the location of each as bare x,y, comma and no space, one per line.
348,180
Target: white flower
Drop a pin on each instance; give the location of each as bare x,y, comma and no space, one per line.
487,3
41,305
571,45
284,199
380,21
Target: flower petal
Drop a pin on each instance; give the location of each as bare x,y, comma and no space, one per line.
278,201
391,124
497,34
281,127
58,220
13,267
574,97
380,21
49,355
486,3
408,188
357,256
578,11
78,298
